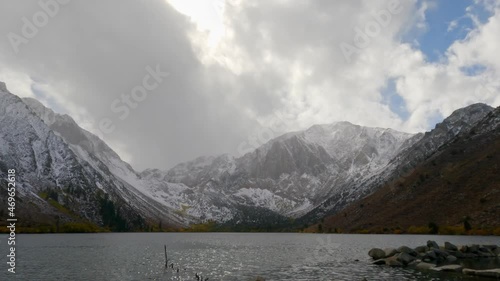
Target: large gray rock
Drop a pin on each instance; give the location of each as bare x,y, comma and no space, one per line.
405,258
450,247
451,259
432,244
376,253
430,256
457,254
473,249
407,250
421,249
441,253
389,252
393,261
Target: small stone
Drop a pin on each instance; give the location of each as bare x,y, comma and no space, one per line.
392,261
429,256
451,259
421,249
408,250
405,258
432,244
457,254
389,252
450,247
441,253
473,249
376,253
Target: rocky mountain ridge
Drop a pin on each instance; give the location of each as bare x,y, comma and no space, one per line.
302,175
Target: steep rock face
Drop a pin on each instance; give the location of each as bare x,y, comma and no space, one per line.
413,151
461,120
83,176
287,156
45,163
201,170
289,175
459,180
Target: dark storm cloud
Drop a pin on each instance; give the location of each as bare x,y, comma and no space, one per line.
102,49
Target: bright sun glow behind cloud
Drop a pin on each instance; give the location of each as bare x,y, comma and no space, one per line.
208,15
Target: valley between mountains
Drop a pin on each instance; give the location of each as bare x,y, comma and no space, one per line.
332,177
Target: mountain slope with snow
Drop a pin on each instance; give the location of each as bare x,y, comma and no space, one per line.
292,174
458,181
303,175
416,150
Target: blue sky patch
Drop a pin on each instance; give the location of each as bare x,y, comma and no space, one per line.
395,102
447,21
473,70
439,36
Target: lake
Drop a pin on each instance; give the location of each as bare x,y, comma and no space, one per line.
217,256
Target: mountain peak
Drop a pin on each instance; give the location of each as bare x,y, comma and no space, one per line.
3,87
467,116
473,109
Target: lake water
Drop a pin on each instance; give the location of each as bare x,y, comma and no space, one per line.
217,256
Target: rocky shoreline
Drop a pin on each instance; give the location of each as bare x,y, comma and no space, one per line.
446,258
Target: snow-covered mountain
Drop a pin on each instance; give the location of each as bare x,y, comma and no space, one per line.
289,175
413,152
302,175
54,155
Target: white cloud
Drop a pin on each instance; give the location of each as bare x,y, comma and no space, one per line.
236,66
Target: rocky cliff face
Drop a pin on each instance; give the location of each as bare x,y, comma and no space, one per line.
67,173
292,174
455,178
411,153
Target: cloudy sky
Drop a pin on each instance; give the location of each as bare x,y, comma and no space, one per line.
167,81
